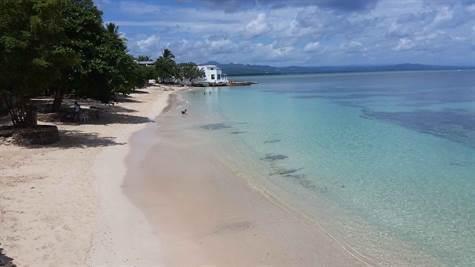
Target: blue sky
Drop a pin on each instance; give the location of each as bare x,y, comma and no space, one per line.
299,32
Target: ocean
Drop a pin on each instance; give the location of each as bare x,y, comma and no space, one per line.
383,162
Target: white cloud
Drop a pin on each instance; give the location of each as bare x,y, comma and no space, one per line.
220,46
138,8
281,35
353,44
444,14
149,43
257,27
271,51
404,44
312,47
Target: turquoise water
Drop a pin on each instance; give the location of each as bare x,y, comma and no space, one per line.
383,161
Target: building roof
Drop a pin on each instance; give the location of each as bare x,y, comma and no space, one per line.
151,62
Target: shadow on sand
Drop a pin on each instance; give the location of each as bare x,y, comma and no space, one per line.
126,99
140,92
121,109
79,139
113,118
117,118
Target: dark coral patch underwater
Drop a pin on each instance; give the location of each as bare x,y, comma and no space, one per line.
215,126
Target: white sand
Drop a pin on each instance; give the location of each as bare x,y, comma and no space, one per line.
63,205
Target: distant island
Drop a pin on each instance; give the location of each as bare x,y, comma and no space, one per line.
233,69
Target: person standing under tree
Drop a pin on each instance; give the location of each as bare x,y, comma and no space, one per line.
77,111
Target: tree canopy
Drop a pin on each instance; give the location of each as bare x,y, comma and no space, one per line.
33,54
166,67
144,58
60,46
189,72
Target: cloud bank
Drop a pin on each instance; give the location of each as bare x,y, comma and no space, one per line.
303,32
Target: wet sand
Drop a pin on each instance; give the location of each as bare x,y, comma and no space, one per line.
205,215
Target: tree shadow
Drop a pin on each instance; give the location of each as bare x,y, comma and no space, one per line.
126,99
112,118
140,92
79,139
120,109
118,118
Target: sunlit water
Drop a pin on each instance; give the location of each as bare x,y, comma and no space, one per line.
385,162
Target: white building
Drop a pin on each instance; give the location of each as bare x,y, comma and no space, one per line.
146,63
214,75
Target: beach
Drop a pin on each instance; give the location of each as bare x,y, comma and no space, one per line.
61,205
265,177
96,199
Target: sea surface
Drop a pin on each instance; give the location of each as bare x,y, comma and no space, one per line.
384,162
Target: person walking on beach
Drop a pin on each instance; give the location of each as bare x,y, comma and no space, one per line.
77,111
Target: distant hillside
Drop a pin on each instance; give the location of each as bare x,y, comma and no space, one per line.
245,69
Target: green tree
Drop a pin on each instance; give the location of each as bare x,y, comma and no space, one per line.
32,54
144,58
143,74
61,46
84,30
190,72
150,72
104,66
166,67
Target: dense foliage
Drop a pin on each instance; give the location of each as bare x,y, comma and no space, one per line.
170,72
33,53
189,72
58,47
166,67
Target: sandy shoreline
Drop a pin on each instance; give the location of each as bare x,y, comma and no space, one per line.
140,193
63,206
207,216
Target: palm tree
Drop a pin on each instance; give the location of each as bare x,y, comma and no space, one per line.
167,54
113,29
166,67
144,58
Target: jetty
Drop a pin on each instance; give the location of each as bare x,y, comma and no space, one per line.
229,83
241,83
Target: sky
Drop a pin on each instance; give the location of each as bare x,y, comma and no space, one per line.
299,32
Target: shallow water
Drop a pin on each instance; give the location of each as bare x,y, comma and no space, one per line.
384,161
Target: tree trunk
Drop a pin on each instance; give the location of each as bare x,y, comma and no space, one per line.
58,100
23,113
13,110
31,115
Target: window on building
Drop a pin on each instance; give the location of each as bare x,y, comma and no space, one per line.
219,76
212,76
